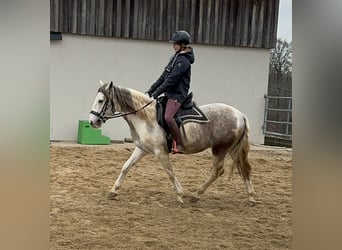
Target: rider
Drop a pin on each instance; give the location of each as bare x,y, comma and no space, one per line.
175,83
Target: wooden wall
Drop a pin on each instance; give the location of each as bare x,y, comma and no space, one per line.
248,23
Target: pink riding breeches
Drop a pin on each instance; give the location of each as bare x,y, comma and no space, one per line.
172,106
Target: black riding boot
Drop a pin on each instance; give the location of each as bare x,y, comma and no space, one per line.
174,129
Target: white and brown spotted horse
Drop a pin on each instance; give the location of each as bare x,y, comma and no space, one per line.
225,133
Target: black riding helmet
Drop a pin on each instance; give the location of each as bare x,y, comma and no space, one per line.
180,36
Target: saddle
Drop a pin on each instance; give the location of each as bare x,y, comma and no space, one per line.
188,112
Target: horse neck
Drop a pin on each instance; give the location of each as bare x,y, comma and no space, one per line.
125,99
129,100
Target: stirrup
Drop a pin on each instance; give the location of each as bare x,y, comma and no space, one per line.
175,149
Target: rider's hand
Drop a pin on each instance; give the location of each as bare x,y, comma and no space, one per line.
150,95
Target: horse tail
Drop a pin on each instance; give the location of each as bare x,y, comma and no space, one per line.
239,153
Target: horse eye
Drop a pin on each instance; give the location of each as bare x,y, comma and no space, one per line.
100,101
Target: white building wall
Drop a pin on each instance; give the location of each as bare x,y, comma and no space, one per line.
236,76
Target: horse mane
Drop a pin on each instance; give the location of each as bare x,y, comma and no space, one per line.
131,100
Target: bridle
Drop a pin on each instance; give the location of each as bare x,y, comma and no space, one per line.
110,103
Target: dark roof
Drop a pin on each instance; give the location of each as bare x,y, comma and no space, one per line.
248,23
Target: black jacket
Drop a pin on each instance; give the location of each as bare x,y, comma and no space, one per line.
175,79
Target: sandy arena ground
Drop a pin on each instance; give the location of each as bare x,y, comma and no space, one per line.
146,214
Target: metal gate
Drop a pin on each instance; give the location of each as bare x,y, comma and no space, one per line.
278,117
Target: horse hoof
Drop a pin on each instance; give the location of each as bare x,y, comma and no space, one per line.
111,195
180,200
194,199
251,202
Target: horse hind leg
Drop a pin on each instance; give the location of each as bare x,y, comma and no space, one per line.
136,156
240,158
219,154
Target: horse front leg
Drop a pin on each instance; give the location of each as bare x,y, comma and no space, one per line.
165,161
136,156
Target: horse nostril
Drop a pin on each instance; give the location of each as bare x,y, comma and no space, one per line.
91,123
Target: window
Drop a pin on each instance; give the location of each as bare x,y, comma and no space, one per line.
55,35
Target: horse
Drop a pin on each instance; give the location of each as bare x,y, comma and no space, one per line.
225,133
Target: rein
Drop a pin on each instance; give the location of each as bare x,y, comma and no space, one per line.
129,113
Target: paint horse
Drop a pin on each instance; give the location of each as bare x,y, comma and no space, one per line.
225,133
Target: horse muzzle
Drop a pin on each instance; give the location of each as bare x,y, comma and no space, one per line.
96,124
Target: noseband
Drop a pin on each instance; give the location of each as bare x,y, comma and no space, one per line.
109,99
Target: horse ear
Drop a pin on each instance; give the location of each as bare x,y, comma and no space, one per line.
101,82
110,85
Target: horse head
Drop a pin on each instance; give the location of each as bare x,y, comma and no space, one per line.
103,105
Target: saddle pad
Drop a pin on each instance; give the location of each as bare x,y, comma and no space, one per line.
193,114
